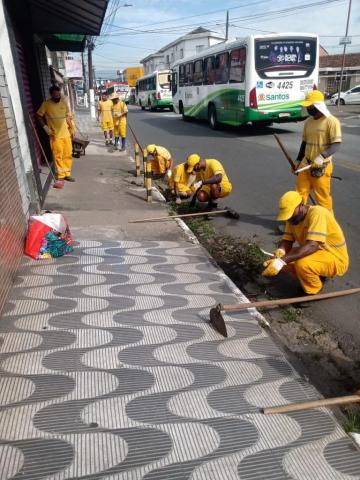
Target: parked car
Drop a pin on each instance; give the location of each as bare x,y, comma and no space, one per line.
350,96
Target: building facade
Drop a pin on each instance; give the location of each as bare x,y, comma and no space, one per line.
330,72
189,44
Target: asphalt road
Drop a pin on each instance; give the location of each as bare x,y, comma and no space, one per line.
260,175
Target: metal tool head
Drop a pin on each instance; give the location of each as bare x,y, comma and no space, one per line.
217,321
232,213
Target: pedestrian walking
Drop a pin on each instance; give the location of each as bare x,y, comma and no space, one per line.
321,252
105,115
321,139
55,118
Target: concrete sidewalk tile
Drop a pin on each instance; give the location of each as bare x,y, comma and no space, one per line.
110,369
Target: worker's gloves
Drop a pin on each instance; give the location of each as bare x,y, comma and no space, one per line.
47,130
279,252
191,179
178,201
318,162
198,184
168,173
273,267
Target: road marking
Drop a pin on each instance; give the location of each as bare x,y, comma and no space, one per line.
350,126
348,165
352,116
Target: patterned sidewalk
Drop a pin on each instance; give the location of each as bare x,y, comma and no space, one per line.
109,369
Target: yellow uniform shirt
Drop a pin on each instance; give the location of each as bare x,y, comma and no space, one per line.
56,115
319,134
105,109
181,178
320,225
214,167
119,108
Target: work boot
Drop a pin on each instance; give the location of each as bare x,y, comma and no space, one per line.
111,142
106,142
211,205
122,149
59,183
69,179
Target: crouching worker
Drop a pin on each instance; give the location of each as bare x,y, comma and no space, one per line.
322,248
180,182
161,162
211,179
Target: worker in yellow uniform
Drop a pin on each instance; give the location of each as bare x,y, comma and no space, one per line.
120,112
181,182
161,162
211,180
321,139
322,248
55,118
105,112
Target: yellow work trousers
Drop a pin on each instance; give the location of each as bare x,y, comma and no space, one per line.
305,183
159,165
309,270
107,126
62,153
120,129
225,189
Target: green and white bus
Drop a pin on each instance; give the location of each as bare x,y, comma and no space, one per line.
259,79
153,91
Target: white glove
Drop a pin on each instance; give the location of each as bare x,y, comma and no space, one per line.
168,173
178,201
47,130
273,267
318,162
198,184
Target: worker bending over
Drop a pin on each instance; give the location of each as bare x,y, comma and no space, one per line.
120,111
322,248
105,113
55,118
321,139
180,182
211,179
161,162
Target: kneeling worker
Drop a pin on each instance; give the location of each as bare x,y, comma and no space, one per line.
161,162
181,182
211,179
322,248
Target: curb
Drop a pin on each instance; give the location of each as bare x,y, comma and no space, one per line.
234,289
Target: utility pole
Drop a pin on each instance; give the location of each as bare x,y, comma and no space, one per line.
343,59
91,77
227,26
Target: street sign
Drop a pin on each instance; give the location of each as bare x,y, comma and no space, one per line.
345,41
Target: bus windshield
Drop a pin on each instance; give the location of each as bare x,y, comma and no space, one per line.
281,57
164,81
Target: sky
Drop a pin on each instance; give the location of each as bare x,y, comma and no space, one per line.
130,33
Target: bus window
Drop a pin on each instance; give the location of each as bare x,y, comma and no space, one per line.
189,73
174,83
222,68
181,75
198,72
209,70
237,65
164,81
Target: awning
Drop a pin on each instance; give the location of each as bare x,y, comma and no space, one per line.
71,16
64,42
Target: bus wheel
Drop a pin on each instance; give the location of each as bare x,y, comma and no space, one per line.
212,117
141,105
181,111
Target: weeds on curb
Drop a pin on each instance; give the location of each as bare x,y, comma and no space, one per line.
352,422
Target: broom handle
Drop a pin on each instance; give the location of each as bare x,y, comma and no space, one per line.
326,402
199,214
287,301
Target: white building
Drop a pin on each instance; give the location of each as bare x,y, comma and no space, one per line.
189,44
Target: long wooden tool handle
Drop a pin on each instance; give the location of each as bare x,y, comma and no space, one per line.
285,152
41,147
326,402
287,301
169,217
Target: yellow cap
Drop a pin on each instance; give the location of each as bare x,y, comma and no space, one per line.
287,204
191,161
151,148
314,96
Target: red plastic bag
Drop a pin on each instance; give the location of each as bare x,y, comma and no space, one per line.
35,237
